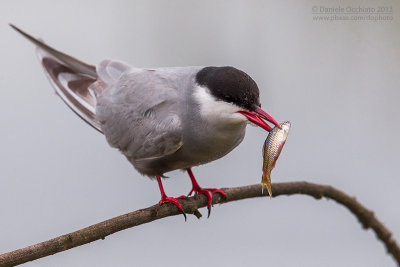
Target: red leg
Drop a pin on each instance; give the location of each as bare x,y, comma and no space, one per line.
206,191
165,199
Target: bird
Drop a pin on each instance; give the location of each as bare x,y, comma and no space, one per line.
160,119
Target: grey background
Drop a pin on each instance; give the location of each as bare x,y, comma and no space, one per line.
337,82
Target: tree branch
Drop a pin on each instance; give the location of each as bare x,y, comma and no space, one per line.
191,206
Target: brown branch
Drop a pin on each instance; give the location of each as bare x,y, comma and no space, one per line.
108,227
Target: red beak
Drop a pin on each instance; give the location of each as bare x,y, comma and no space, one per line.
257,117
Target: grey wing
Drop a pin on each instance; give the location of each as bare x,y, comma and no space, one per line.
139,112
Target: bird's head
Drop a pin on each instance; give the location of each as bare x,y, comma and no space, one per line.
230,94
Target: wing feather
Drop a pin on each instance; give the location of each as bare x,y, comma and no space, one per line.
71,79
140,116
136,109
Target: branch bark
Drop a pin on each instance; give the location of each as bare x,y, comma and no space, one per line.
191,206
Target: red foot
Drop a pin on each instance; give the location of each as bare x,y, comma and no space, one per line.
174,201
165,199
205,191
209,193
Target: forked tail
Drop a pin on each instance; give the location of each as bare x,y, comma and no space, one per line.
71,78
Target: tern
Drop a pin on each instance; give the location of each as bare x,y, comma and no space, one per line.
161,119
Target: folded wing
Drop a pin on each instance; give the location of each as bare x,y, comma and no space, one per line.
136,109
139,112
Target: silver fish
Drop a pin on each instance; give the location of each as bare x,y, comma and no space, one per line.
271,150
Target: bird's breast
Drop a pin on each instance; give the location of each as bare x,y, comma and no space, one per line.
207,142
198,148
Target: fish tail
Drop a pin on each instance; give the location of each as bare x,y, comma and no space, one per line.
266,182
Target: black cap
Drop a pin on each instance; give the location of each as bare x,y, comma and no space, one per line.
231,85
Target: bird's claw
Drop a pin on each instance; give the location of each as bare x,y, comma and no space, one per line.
175,202
208,192
183,197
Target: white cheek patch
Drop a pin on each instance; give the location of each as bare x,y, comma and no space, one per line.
216,110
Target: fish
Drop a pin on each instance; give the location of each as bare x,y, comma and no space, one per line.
271,150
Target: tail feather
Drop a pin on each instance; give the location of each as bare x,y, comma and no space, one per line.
71,78
73,63
68,85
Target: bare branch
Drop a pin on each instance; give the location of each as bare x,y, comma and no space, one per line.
191,206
